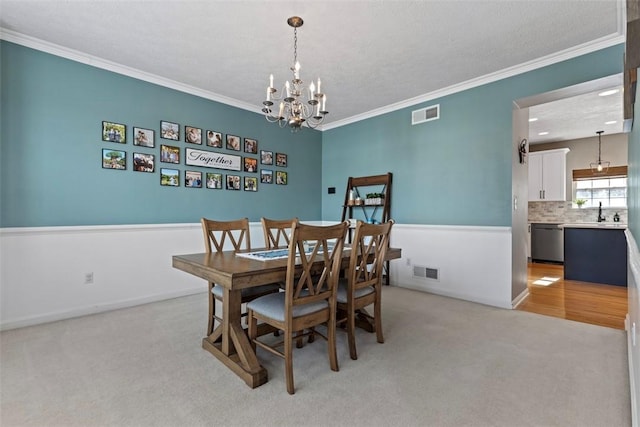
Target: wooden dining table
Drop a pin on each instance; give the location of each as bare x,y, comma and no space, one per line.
229,342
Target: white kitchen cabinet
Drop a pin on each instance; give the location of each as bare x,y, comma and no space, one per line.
548,175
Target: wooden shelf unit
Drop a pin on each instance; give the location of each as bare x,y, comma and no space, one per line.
369,212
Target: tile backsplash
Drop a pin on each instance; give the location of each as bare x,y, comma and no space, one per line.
563,212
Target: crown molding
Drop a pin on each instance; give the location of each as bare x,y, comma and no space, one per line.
560,56
77,56
74,55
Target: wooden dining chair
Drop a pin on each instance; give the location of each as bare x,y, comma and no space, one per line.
362,285
309,298
216,235
277,232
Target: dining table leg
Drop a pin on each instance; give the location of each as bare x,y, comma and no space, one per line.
234,349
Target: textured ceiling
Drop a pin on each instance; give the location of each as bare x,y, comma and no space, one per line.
371,55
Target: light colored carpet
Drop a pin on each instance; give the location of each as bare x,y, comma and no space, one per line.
445,362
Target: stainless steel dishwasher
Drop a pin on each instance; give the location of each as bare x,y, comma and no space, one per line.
547,242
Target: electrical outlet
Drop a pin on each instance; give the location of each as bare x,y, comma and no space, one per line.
88,278
409,262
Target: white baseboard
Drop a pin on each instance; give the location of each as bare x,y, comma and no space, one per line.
95,309
518,300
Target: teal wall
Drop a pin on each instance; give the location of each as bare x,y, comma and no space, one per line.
51,148
456,170
633,196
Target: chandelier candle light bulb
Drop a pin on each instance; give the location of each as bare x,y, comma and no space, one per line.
294,109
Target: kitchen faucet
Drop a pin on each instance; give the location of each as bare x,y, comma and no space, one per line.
600,217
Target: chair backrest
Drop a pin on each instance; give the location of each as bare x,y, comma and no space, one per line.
368,251
307,281
217,233
277,232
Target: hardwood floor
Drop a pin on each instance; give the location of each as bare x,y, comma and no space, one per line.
603,305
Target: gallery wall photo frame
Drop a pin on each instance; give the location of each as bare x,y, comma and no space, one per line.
250,183
193,135
233,182
214,181
169,177
266,176
169,154
266,157
193,179
251,145
169,130
114,159
250,164
233,142
281,160
281,178
143,162
144,137
214,139
114,132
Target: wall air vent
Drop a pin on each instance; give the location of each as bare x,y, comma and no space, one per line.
425,272
426,114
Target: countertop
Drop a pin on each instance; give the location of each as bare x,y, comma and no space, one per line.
601,225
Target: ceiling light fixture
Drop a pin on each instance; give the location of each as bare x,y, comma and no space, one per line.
294,109
543,133
601,167
611,122
533,119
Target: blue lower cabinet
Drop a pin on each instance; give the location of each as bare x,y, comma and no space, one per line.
597,255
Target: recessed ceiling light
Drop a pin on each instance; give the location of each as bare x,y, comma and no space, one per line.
611,122
543,133
533,119
609,92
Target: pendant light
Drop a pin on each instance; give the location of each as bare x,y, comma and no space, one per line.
601,166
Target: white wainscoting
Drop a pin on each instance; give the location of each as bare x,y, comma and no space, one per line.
633,325
42,270
473,263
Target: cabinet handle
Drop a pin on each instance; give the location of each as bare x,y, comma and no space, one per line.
540,194
544,196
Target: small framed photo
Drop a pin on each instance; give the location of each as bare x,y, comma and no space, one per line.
251,145
114,159
233,142
266,157
250,164
266,176
169,154
214,139
169,130
281,160
214,180
114,132
250,183
144,137
233,182
193,179
281,178
170,177
143,162
193,135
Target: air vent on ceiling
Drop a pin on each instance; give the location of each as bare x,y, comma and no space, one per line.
425,272
425,114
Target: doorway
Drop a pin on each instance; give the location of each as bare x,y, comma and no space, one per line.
580,301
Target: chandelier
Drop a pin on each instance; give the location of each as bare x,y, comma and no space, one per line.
601,167
296,106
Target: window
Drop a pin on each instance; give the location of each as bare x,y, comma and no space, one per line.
610,189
